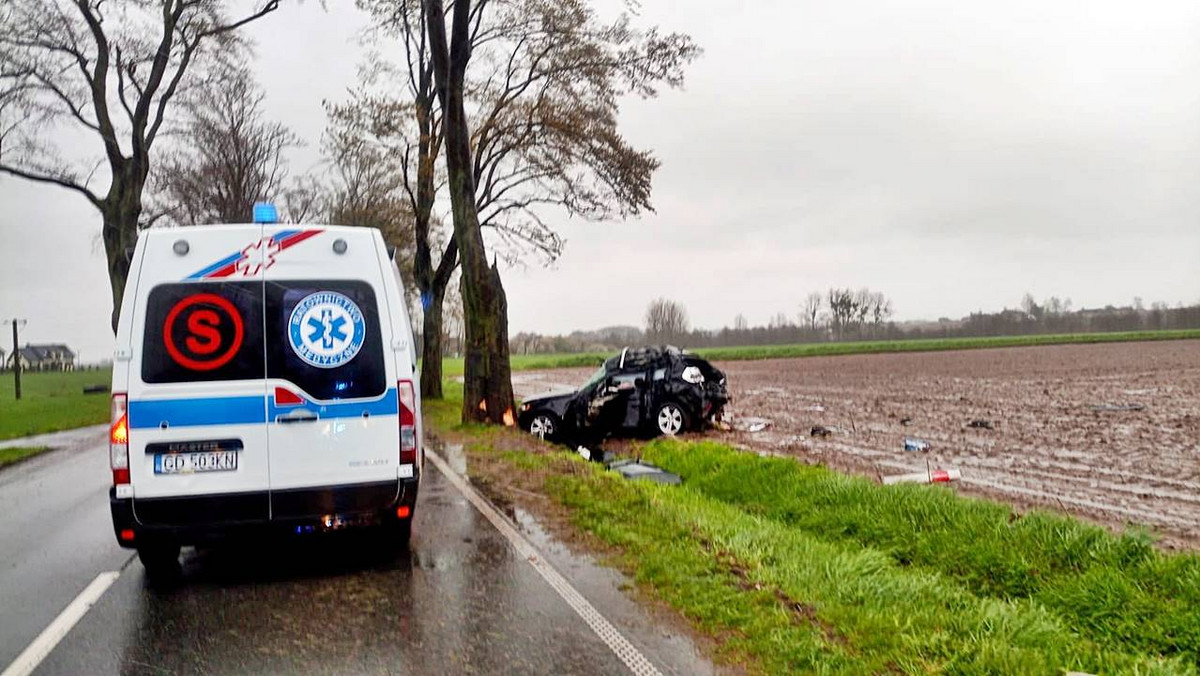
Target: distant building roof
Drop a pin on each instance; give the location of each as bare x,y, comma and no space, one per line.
53,351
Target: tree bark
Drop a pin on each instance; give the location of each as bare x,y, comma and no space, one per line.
487,387
120,210
431,346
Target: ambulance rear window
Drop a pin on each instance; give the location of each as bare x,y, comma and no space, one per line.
324,337
203,332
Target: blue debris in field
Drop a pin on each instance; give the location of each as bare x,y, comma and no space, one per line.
919,445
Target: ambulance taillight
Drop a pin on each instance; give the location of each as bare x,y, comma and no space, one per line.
118,440
408,422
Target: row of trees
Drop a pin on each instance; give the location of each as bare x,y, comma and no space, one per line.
667,322
504,110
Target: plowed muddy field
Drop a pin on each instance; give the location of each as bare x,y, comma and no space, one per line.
1108,432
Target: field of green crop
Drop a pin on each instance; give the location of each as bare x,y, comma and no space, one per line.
531,362
51,402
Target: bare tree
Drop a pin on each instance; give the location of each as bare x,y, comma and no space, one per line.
842,310
740,323
226,158
110,73
542,95
366,188
487,387
810,310
666,321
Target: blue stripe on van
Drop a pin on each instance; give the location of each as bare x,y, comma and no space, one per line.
150,413
215,266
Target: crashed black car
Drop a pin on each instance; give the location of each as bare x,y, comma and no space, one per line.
641,391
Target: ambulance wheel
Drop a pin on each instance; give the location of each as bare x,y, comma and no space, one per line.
397,534
161,561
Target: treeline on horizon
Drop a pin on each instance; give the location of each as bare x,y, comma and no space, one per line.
1053,316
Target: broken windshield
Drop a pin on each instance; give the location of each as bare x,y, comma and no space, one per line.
596,378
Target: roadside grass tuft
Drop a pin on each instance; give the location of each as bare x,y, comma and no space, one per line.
799,603
1118,590
9,456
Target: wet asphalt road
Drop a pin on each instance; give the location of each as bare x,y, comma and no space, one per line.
459,601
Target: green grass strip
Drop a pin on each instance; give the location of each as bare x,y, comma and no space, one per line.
454,366
16,454
838,608
1117,590
51,402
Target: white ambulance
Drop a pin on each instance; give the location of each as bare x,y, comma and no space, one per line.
264,378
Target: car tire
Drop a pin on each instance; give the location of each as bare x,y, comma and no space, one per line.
670,419
544,425
161,561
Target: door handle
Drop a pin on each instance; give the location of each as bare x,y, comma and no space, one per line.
297,417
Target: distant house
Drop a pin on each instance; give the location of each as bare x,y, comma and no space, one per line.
44,358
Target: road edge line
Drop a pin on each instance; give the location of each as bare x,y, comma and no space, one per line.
40,648
637,663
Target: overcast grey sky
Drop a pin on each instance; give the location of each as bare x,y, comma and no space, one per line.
951,154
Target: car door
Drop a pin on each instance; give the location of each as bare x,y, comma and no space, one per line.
197,438
332,399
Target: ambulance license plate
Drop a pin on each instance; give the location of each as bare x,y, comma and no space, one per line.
191,463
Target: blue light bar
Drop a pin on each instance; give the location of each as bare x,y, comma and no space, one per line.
265,212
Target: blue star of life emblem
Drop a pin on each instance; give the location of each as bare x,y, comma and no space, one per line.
326,329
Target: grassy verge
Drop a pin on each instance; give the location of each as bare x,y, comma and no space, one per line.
794,569
16,454
51,402
454,367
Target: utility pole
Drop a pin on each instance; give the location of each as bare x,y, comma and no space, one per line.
16,355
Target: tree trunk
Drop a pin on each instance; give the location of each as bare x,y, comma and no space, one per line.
121,210
487,387
431,347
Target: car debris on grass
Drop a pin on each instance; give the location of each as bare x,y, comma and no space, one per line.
933,476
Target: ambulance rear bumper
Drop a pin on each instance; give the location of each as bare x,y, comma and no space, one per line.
199,519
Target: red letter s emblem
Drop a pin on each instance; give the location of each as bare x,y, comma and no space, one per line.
202,325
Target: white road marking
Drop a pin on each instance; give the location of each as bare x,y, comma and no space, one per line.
631,656
37,651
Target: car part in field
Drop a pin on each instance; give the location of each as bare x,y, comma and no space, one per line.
935,476
906,421
636,469
981,424
751,424
820,431
671,419
917,445
542,426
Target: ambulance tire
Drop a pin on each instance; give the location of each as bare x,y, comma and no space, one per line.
397,534
161,561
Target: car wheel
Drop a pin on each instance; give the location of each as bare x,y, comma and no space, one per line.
543,426
161,561
670,419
